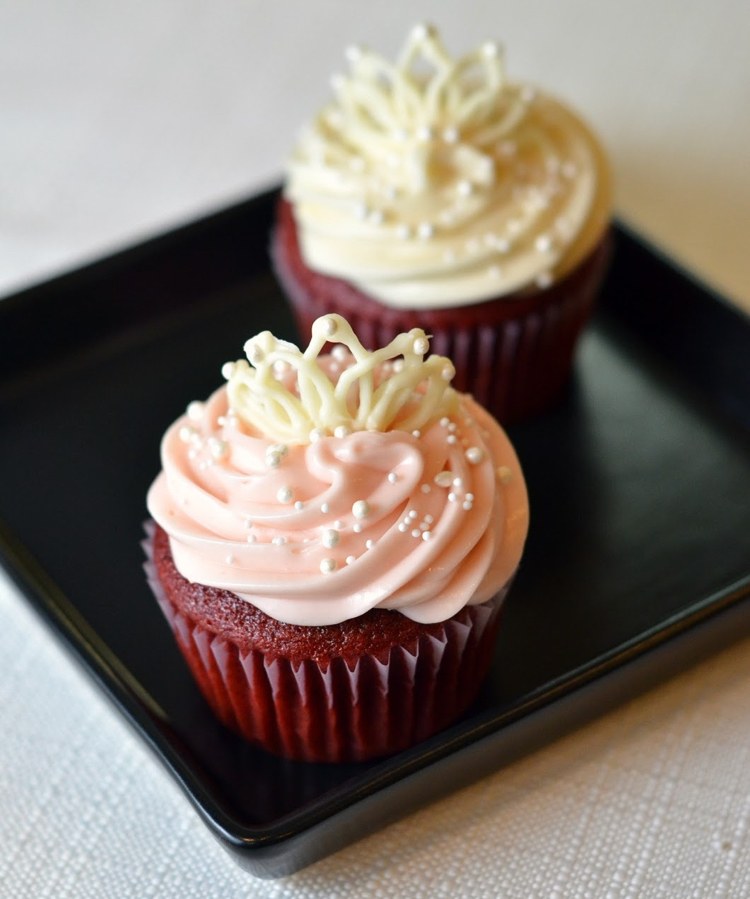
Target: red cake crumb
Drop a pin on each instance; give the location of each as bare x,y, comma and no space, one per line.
223,612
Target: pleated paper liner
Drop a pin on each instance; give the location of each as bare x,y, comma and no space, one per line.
340,709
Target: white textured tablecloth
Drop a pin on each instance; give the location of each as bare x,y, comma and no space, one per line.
117,120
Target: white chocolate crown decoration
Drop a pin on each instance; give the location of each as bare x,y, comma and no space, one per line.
428,117
289,396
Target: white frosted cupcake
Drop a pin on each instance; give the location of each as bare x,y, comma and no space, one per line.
434,192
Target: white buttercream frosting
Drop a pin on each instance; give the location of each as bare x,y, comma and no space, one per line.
436,181
423,515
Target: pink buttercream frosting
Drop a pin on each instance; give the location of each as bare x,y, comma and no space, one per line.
319,533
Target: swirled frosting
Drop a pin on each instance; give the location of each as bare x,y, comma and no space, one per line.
321,530
436,181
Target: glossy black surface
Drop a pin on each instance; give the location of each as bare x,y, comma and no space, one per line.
639,484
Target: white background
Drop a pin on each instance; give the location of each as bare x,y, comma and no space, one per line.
118,120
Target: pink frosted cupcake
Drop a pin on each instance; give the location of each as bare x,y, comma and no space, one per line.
334,538
434,192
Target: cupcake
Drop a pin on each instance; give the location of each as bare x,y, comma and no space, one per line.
436,193
333,536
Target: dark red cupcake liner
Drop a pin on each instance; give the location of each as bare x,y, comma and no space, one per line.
513,354
345,710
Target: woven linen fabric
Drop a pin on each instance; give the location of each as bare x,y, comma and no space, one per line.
652,800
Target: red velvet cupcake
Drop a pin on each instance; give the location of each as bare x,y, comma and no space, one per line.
434,193
334,538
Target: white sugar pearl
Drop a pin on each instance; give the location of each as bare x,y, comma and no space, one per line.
328,565
474,455
544,280
330,538
502,245
195,410
543,243
218,448
361,509
285,494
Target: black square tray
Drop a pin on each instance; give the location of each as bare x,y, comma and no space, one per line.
639,485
